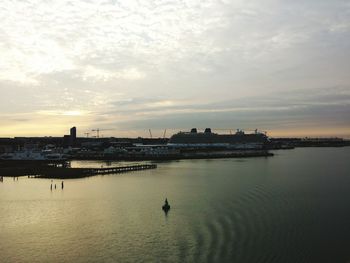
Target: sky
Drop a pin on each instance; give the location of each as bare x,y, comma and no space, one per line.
125,67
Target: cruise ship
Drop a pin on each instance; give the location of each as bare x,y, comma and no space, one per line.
238,140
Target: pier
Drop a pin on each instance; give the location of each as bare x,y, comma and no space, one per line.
70,173
118,169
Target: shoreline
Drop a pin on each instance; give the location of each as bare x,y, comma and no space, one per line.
43,170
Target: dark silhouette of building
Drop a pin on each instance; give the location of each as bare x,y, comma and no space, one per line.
71,139
73,133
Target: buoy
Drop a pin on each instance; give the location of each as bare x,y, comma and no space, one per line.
166,206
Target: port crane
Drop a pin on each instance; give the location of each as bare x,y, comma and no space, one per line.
97,132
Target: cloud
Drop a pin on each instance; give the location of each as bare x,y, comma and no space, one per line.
63,113
318,109
97,74
132,62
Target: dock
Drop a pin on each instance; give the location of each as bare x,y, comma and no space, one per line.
119,169
71,173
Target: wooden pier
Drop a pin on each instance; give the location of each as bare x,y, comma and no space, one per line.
118,169
70,173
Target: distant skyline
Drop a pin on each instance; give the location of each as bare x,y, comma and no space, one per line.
129,66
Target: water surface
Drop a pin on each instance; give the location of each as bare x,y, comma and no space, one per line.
293,207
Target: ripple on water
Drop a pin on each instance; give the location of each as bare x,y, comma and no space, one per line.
258,226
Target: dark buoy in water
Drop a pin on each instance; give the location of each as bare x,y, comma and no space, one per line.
166,206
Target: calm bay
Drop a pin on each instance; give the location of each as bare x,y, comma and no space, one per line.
292,207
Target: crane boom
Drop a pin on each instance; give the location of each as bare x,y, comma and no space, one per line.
97,132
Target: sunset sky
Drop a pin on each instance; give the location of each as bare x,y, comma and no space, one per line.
282,66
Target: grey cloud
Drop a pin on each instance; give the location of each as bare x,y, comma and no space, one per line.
252,63
282,99
265,119
266,112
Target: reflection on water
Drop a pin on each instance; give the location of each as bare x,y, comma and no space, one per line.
289,208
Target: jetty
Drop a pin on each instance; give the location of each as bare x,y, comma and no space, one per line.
71,173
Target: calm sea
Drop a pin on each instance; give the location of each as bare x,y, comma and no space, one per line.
293,207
